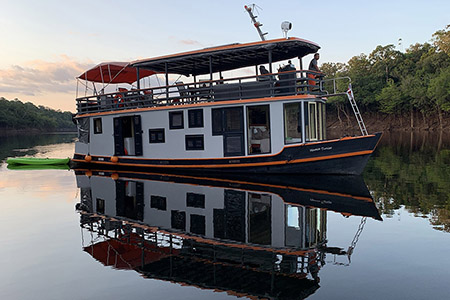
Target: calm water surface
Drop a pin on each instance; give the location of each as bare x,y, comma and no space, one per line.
161,236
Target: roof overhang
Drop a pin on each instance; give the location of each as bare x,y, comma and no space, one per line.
114,72
229,57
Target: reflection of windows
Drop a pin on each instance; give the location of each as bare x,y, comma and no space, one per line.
195,118
158,202
178,219
176,120
197,224
156,135
98,126
260,217
194,142
195,200
100,206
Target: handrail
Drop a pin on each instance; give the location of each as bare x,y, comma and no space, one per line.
285,83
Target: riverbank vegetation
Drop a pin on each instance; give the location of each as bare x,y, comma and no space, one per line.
16,116
389,84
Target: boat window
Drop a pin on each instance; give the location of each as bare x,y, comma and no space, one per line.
195,200
195,142
176,120
195,118
156,135
98,125
292,123
258,129
312,121
198,224
158,202
100,206
217,121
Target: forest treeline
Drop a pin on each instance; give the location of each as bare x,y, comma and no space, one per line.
16,115
413,84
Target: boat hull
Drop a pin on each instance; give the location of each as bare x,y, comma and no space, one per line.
346,156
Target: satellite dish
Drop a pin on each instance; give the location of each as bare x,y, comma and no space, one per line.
285,27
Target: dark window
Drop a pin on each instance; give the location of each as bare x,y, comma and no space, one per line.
158,202
195,200
176,120
178,219
194,142
198,224
217,121
156,135
98,126
195,118
100,206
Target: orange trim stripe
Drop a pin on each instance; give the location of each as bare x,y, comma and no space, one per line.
281,162
252,156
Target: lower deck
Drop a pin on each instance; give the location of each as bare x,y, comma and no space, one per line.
207,131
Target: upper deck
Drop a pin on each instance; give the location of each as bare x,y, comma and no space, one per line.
286,81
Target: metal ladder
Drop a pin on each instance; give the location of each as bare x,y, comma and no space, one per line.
355,108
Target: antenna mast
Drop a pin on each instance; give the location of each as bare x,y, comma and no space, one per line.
257,24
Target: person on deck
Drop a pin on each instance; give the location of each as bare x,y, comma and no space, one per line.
313,66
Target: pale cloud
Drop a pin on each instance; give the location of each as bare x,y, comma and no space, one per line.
190,42
38,77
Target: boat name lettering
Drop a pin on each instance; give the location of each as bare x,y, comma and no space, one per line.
234,161
320,201
320,149
163,162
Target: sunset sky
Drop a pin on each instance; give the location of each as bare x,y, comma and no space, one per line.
47,44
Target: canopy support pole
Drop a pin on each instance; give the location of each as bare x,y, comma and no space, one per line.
301,65
138,85
210,69
166,67
270,61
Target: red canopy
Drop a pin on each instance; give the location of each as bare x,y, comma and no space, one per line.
114,72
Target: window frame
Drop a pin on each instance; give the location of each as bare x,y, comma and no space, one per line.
192,118
171,115
156,131
95,120
195,136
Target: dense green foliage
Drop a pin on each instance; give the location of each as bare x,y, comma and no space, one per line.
400,83
18,115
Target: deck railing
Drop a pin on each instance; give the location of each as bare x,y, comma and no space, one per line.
261,86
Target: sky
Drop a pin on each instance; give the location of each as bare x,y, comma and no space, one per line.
46,44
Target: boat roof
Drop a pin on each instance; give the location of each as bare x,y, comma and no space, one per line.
229,57
114,72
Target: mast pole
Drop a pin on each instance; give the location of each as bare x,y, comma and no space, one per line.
257,24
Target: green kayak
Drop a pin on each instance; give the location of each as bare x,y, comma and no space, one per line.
37,161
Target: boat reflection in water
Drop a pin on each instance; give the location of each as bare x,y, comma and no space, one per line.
246,236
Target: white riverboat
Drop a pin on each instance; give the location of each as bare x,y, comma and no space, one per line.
213,120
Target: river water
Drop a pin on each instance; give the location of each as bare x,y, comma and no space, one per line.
91,234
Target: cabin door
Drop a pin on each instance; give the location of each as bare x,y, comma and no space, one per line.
128,136
233,131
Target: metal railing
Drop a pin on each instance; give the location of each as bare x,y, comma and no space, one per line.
260,86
